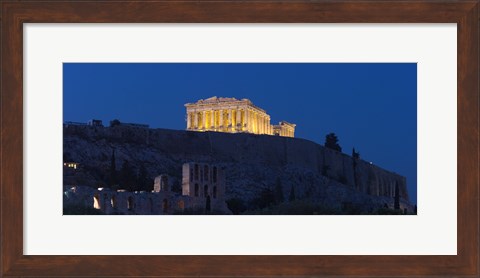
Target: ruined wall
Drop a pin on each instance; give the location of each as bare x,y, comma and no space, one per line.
139,203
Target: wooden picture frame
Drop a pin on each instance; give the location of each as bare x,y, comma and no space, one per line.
14,14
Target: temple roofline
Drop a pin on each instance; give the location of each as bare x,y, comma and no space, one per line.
286,123
223,100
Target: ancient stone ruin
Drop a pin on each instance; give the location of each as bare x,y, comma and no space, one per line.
203,192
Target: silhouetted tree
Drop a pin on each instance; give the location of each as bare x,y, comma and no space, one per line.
127,178
236,205
114,123
142,182
397,197
208,207
112,181
266,198
331,142
355,154
291,197
279,191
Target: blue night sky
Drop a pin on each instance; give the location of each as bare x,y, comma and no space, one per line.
372,107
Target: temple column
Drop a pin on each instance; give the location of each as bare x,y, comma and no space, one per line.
229,120
198,119
252,119
241,120
212,119
216,117
195,122
264,122
239,113
191,116
189,124
259,119
234,119
244,119
207,120
249,122
261,124
264,125
192,120
221,119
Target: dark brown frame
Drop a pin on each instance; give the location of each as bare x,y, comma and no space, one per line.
14,14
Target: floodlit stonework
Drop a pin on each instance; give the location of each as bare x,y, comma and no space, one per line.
233,116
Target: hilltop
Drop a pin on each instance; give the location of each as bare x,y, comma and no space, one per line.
254,165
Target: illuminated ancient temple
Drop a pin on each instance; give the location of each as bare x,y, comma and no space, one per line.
233,116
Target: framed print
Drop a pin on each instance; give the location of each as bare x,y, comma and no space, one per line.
178,138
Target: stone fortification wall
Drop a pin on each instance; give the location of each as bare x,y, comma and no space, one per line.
270,153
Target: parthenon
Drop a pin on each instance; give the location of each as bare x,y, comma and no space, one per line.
233,116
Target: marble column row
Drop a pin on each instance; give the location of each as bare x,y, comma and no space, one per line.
258,123
215,119
233,120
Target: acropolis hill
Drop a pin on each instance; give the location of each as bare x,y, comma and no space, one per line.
252,163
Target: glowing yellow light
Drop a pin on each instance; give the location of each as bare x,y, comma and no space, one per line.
96,203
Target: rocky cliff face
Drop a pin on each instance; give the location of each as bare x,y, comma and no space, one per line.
252,163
